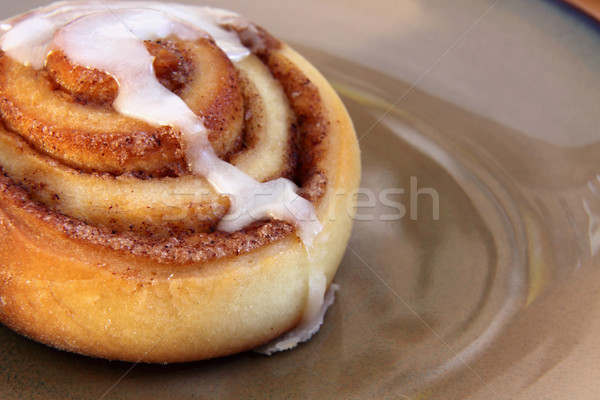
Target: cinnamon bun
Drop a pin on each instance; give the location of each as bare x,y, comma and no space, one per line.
175,182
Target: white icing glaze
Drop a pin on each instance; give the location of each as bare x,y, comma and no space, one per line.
109,36
31,33
308,327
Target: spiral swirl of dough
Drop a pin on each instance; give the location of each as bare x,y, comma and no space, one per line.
116,223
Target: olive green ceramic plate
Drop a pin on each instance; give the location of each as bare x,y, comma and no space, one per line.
473,270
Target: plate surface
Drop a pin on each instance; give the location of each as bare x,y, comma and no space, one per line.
473,270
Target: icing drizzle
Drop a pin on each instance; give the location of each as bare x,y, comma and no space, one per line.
109,36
